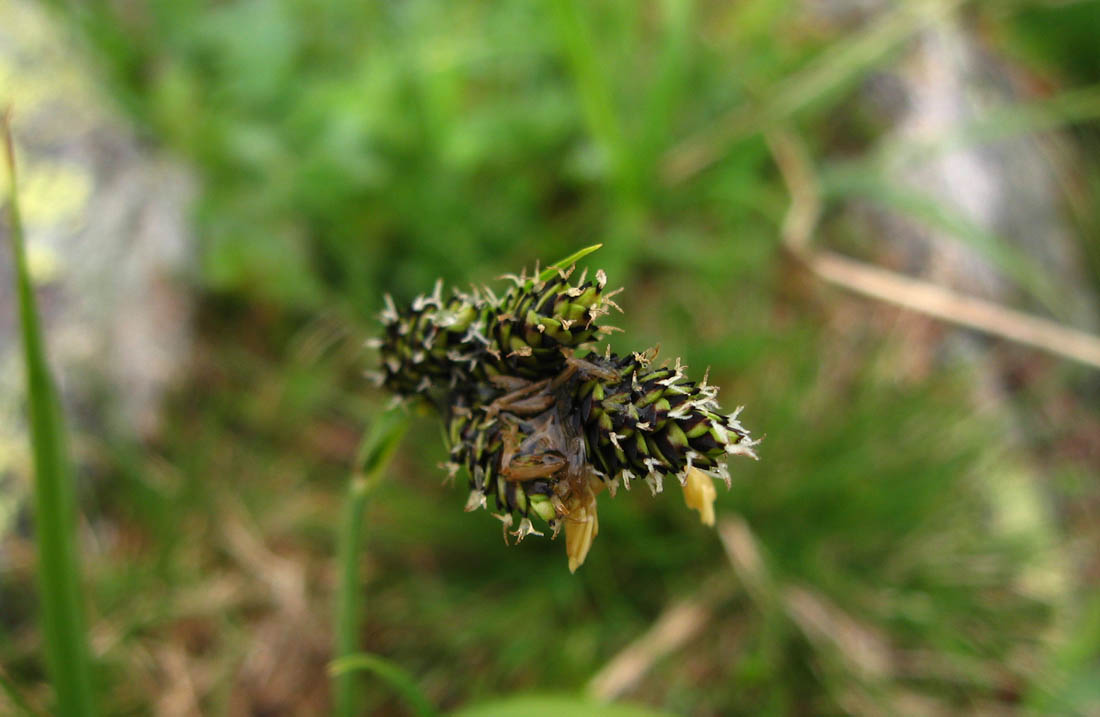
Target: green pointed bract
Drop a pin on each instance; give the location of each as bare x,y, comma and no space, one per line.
539,424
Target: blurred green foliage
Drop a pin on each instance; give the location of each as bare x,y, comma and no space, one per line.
348,149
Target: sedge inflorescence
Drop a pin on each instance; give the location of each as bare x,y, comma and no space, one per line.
541,422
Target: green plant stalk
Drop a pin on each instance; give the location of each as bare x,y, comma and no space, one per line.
54,500
374,455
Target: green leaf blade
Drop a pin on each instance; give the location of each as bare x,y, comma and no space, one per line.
54,499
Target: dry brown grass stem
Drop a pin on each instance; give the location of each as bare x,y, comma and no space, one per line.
917,295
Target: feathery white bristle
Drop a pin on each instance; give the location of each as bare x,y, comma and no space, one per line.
525,529
389,312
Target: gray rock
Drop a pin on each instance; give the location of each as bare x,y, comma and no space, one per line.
108,243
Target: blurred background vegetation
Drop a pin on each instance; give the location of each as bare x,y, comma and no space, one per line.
924,514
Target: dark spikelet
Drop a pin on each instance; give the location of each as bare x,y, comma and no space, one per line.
651,422
541,425
437,344
536,319
431,343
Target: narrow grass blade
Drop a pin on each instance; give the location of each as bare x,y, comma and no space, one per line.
837,67
567,261
54,501
374,454
594,92
394,676
935,214
1072,107
670,85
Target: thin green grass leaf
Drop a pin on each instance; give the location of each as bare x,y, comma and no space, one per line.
374,455
568,261
851,58
934,213
669,87
1013,120
54,500
393,675
594,92
838,66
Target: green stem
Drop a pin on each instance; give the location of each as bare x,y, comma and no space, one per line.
374,455
54,498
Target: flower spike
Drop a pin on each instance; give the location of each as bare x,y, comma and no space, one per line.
542,423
